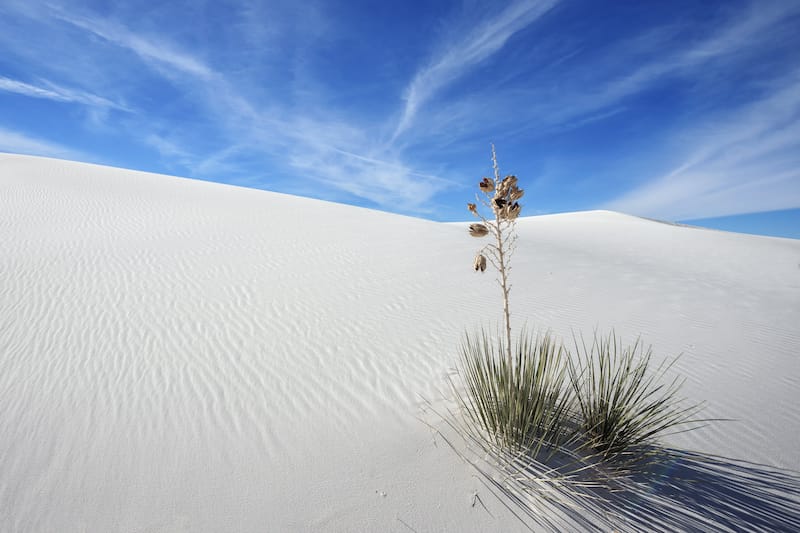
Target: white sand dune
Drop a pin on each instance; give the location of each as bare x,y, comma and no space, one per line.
178,355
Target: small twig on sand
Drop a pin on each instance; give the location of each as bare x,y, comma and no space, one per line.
409,527
476,499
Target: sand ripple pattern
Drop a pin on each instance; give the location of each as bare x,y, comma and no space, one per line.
176,350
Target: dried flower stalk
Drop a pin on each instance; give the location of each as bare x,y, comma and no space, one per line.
503,204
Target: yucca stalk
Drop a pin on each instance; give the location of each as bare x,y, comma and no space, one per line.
500,195
502,255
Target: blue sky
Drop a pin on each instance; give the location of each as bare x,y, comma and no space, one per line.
676,110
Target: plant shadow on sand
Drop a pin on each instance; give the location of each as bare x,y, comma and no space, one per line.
676,491
690,491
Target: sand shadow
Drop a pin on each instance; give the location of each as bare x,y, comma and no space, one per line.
676,490
686,491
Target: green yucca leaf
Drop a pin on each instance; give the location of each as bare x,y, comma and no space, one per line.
623,403
524,407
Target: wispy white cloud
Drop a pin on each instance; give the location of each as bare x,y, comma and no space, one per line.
56,93
746,30
740,35
157,53
742,162
168,149
579,85
465,52
21,143
390,184
256,131
333,152
258,103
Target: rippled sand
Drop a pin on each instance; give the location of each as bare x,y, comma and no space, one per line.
178,355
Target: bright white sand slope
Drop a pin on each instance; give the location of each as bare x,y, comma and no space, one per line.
177,355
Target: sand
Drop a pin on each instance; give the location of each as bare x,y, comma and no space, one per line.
179,355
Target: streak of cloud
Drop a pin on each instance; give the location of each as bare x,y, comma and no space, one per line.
462,54
58,94
20,143
623,70
742,162
689,103
155,52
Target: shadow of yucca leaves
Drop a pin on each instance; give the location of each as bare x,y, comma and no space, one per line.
530,432
674,490
688,491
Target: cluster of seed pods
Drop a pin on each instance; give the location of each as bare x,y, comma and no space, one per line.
502,196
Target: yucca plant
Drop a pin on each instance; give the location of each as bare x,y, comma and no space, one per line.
518,394
500,196
521,408
624,403
497,389
595,413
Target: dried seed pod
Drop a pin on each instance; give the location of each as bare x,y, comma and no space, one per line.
498,203
516,194
480,263
506,186
472,208
486,185
478,230
511,212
